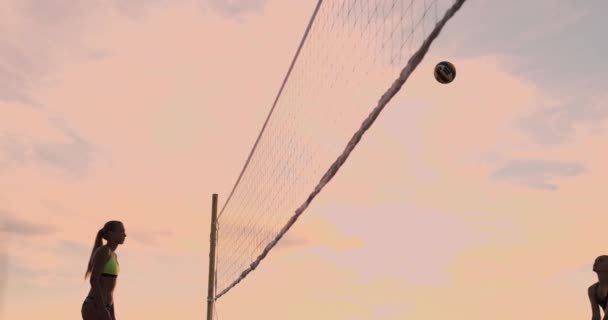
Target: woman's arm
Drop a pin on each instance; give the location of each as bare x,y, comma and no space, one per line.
595,308
102,255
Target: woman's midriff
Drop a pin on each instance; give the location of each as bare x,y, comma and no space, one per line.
107,285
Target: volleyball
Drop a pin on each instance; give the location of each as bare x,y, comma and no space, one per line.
445,72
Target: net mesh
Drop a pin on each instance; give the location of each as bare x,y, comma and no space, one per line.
351,52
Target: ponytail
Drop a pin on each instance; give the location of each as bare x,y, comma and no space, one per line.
97,244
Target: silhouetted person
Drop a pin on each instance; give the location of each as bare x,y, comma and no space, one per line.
103,269
598,292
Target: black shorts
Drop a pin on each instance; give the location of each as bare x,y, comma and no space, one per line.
89,299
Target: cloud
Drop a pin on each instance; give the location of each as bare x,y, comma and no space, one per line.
390,310
13,86
137,8
15,70
537,174
38,38
502,35
73,157
21,227
554,56
399,241
235,8
73,248
12,152
3,265
26,272
42,36
72,154
554,125
56,13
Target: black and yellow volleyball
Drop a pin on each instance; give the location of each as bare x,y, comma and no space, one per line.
445,72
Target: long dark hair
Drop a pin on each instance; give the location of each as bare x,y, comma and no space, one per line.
101,234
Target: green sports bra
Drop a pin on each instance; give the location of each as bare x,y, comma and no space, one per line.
111,268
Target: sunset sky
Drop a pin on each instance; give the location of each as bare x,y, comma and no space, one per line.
484,198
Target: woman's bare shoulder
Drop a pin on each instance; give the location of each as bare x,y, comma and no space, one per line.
592,288
102,252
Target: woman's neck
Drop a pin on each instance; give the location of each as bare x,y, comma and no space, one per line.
113,247
603,278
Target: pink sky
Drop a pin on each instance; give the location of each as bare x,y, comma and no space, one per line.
479,198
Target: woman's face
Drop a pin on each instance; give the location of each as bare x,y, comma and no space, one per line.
118,234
